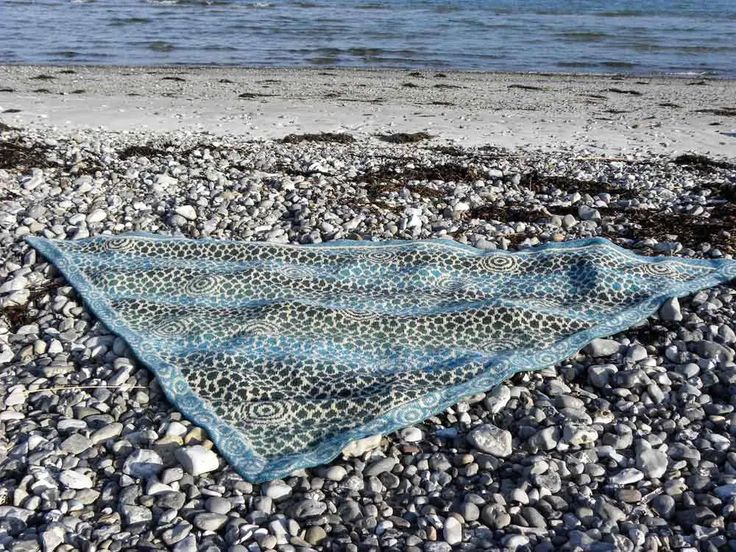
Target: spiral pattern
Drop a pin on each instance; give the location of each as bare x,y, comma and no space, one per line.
357,315
265,412
499,263
172,327
498,344
259,327
448,284
410,415
119,245
203,284
658,269
381,257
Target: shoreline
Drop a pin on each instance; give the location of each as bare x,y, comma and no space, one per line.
602,114
384,69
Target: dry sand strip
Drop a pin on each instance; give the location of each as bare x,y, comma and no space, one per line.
604,114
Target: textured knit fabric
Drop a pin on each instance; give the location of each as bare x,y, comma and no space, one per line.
286,353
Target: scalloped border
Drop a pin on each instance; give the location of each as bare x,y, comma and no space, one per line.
235,448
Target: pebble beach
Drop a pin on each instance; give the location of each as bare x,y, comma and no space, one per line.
628,445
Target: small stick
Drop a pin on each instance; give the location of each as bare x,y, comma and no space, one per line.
77,387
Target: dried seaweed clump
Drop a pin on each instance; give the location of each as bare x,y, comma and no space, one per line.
322,138
17,155
701,162
140,151
405,137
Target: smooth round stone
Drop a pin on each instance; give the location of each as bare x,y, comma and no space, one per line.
197,460
76,443
491,439
412,434
315,535
209,521
664,505
108,431
498,399
218,505
469,511
336,473
452,531
602,347
653,463
627,476
276,489
380,466
494,516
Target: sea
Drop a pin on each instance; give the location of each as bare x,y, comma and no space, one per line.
682,37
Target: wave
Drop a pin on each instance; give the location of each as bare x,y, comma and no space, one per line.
583,36
120,21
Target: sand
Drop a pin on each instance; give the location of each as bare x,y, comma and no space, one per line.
606,115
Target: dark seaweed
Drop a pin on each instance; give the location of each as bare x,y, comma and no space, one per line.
405,138
325,137
140,151
701,162
525,87
621,91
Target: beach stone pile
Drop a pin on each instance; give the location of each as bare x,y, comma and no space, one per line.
628,445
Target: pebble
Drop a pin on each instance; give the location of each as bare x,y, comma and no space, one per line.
452,531
209,521
74,480
276,489
361,446
186,211
106,432
498,399
491,439
143,463
197,460
602,347
627,477
670,310
380,466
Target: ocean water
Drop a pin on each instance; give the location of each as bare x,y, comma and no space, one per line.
590,36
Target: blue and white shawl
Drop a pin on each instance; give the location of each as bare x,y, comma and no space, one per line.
286,353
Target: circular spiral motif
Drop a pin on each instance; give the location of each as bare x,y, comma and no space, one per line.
410,415
233,444
382,257
296,272
730,269
499,263
166,370
265,412
550,356
356,315
449,284
658,269
428,401
171,327
119,245
180,387
187,401
498,344
147,347
259,327
202,285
